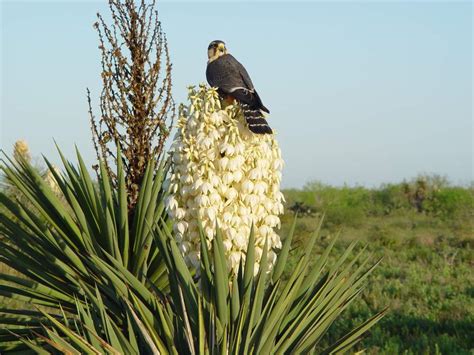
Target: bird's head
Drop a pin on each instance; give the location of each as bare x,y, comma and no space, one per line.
215,50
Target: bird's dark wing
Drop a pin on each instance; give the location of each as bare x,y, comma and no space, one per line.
225,73
228,75
243,73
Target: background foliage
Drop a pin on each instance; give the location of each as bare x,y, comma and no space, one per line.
426,275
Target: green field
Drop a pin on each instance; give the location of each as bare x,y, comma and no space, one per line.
424,232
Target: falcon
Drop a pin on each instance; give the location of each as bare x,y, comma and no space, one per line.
232,81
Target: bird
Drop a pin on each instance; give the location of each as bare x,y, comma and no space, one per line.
233,82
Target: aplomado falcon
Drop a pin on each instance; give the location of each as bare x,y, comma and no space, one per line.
232,81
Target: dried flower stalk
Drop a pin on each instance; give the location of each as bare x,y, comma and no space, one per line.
136,104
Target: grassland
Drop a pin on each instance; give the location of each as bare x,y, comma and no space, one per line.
423,229
424,232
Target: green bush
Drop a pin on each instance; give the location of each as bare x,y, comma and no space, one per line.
348,206
341,206
452,202
387,199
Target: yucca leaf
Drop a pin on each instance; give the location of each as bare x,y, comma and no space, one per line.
108,216
235,300
150,209
116,283
260,285
205,264
354,336
33,346
122,211
139,222
73,337
246,287
316,270
283,255
221,280
104,346
132,337
25,262
59,343
125,275
88,323
37,287
47,204
86,184
286,298
155,345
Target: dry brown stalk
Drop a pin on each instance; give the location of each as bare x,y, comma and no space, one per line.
136,103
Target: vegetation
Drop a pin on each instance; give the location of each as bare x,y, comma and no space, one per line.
113,288
92,266
425,276
97,268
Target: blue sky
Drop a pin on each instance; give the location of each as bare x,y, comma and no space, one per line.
359,92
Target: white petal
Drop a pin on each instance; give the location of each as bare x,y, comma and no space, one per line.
172,203
247,186
227,218
211,213
227,245
222,189
227,149
202,200
194,258
234,260
215,198
180,213
184,247
228,178
264,231
237,175
231,194
223,163
181,227
215,180
240,241
255,174
206,187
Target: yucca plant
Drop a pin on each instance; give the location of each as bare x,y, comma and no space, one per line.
220,312
67,245
110,288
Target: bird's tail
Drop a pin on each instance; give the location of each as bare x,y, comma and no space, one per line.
255,120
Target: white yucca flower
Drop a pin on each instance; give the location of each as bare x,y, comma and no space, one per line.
21,149
226,176
51,180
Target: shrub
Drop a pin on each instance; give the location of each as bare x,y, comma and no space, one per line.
452,203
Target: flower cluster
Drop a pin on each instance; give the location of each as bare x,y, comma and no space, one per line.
21,150
226,176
